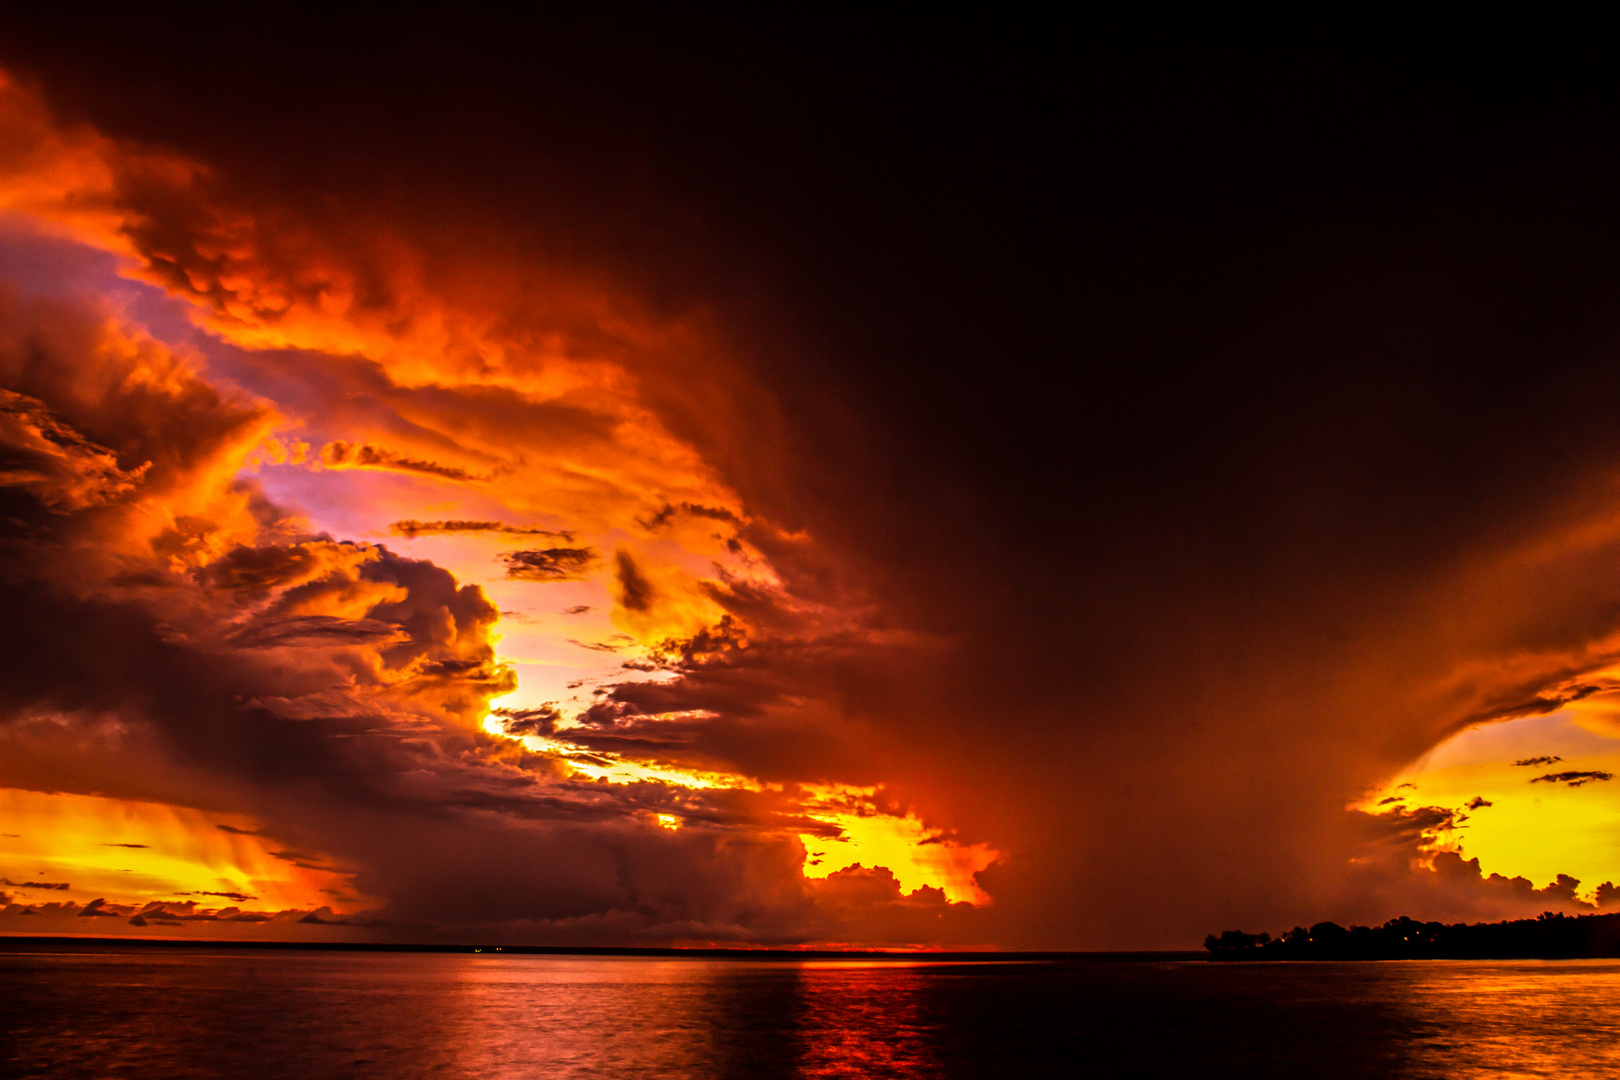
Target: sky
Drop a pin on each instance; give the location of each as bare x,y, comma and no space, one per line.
627,480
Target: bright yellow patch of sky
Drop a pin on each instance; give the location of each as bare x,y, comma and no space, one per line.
917,855
129,851
1533,830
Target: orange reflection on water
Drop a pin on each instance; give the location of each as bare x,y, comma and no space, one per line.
710,1018
86,1013
1514,1018
865,1019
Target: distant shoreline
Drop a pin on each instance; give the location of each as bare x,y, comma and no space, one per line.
1550,936
26,942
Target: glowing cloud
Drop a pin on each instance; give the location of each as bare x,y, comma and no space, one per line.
208,441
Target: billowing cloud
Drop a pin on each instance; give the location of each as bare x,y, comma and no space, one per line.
334,691
54,463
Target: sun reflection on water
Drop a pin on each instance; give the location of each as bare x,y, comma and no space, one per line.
864,1020
626,1017
1516,1019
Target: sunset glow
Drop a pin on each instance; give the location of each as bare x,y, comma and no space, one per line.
578,557
140,852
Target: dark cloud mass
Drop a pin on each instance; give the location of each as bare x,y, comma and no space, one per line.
668,512
635,591
548,564
1142,441
1573,778
538,721
54,463
339,454
60,886
412,528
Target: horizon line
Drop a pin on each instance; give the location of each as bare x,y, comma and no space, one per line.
642,951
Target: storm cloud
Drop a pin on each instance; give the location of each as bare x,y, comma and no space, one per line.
1114,462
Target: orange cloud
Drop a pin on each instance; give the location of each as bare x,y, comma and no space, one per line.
214,599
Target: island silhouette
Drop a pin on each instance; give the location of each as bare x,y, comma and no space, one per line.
1549,936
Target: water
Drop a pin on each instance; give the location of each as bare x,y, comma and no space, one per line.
106,1012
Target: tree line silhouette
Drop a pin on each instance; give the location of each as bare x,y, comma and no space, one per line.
1549,936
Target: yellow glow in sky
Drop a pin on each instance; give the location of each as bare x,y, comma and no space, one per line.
916,855
135,852
1536,830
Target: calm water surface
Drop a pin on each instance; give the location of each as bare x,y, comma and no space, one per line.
108,1012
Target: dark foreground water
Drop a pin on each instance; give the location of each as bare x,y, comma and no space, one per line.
107,1012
